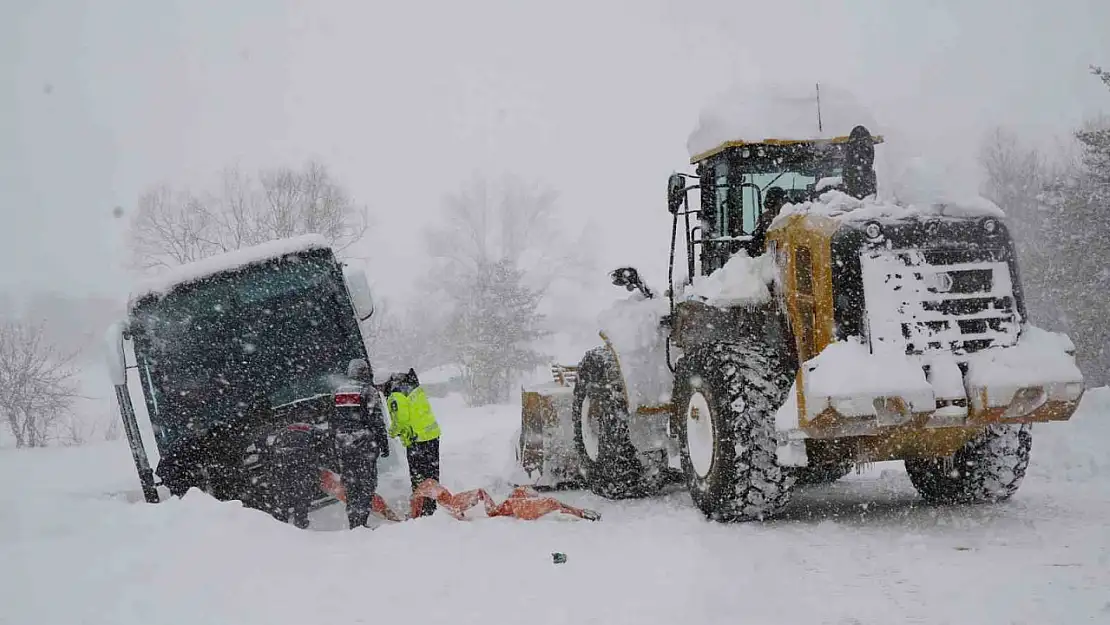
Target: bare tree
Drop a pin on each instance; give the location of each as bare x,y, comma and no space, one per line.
509,220
37,383
172,227
1015,177
413,336
1015,173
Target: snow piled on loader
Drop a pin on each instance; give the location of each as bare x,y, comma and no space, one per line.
742,280
851,365
633,327
761,112
1039,355
838,205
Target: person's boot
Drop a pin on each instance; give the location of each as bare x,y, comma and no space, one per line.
300,518
429,507
357,518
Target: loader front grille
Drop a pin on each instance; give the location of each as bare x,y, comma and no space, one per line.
923,301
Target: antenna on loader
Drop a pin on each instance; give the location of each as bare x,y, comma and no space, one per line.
819,128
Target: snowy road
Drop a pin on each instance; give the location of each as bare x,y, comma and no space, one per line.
74,549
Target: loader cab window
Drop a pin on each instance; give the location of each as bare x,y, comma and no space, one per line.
795,185
721,199
720,217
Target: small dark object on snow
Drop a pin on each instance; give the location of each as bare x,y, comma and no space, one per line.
558,558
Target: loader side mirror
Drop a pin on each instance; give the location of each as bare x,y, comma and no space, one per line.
859,164
629,278
359,288
676,192
116,357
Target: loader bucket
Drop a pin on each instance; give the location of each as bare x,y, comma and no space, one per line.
545,452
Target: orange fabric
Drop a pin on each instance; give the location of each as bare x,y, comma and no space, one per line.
523,503
332,484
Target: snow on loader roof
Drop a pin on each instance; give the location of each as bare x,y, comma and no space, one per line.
205,267
768,113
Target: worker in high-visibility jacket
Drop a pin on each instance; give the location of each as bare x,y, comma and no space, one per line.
414,423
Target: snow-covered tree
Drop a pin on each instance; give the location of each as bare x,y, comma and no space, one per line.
1077,245
1059,215
492,328
1094,139
495,250
173,226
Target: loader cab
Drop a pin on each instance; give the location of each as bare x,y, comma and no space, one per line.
735,178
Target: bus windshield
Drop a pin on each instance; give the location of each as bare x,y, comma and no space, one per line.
283,329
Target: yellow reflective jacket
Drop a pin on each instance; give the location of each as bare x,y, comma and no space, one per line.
411,418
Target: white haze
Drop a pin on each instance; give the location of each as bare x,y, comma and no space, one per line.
406,101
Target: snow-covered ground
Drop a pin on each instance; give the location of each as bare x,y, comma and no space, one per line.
76,547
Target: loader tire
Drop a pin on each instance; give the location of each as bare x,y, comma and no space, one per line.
728,455
987,469
610,463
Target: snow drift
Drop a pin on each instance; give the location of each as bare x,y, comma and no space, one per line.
77,549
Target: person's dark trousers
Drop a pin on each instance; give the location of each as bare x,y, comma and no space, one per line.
295,480
358,455
423,460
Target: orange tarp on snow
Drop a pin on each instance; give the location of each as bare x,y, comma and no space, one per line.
523,503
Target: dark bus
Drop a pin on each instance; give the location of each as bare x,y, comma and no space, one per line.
274,325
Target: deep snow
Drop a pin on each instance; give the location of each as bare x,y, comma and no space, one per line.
78,547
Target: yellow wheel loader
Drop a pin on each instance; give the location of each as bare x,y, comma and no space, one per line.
840,330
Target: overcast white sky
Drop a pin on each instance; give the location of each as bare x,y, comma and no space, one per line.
406,100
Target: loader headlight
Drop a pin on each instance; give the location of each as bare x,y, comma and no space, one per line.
873,230
990,226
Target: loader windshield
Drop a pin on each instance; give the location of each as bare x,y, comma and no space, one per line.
738,181
754,193
283,328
